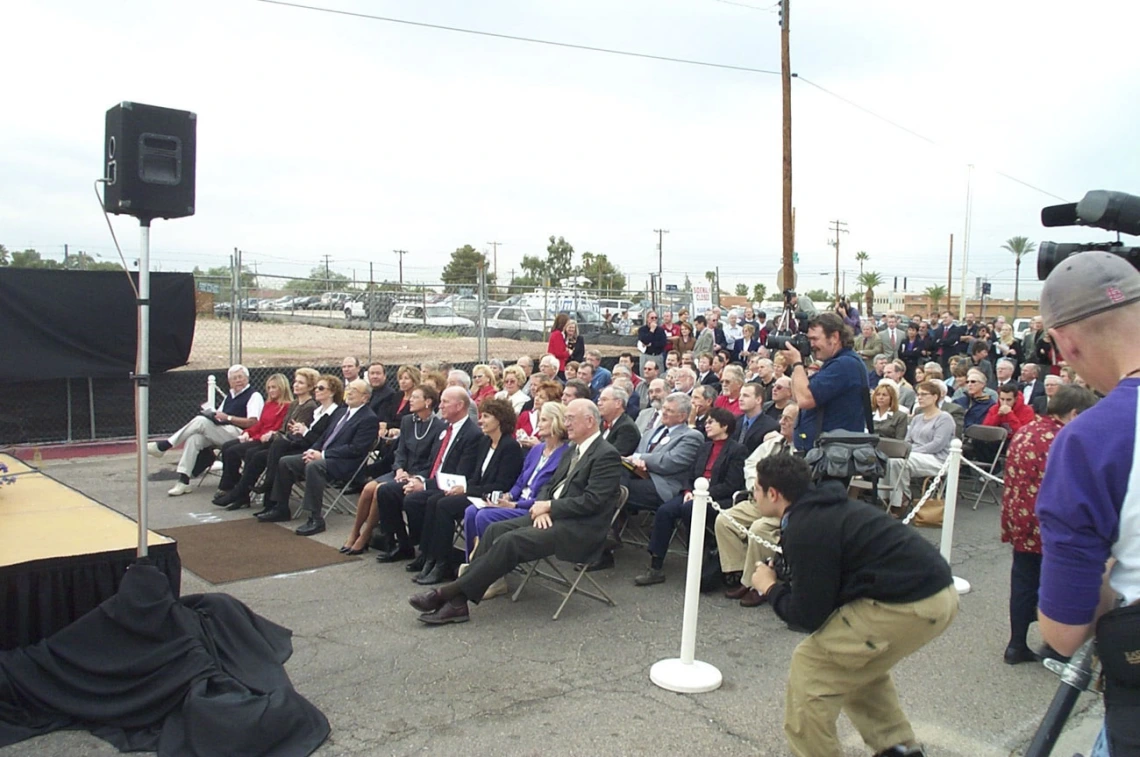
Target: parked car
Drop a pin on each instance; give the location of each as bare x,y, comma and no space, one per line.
374,305
589,321
515,318
433,315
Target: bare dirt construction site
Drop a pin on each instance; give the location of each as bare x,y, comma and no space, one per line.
286,344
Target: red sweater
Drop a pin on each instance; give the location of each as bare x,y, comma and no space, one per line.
557,347
1020,415
271,419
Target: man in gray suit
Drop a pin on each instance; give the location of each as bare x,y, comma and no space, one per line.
665,456
705,336
570,520
650,416
892,336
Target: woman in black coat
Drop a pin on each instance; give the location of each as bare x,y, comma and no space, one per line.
914,351
575,344
500,462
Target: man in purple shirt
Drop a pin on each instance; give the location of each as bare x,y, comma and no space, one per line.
1089,503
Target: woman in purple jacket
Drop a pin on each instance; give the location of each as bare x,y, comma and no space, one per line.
539,466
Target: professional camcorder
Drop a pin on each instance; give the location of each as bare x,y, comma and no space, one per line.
1100,208
789,328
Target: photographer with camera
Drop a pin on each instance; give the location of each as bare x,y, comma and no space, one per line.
836,397
1089,501
870,590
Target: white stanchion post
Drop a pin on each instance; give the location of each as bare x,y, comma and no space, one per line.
951,506
685,674
211,391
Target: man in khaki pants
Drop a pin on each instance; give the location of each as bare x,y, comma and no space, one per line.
870,590
738,551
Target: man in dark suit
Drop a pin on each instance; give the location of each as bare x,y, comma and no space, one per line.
384,399
569,520
721,461
947,339
617,427
753,425
1033,388
337,455
454,452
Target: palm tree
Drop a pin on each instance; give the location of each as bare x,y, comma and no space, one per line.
935,293
1020,247
711,277
862,257
870,280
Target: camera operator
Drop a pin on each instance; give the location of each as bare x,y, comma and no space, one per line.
869,589
836,397
1089,502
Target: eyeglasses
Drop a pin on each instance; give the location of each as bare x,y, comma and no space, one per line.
322,388
974,381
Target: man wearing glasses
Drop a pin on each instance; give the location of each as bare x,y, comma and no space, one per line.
651,340
977,402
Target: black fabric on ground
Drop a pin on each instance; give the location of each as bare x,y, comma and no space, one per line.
79,324
41,597
198,676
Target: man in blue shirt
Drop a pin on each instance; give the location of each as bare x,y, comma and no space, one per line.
1089,502
602,376
838,389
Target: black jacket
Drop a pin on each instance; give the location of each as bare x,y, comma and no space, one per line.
462,459
838,550
727,476
414,454
761,426
623,435
504,468
344,454
383,403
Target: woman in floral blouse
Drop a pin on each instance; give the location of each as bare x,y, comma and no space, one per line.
1024,469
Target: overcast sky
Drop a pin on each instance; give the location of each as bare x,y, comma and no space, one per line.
321,133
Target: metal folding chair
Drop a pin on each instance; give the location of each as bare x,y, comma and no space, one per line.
558,582
988,434
335,498
894,449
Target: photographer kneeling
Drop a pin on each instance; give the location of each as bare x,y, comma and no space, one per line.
870,590
836,397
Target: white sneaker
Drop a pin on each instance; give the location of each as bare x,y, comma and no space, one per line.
153,450
216,467
462,569
179,489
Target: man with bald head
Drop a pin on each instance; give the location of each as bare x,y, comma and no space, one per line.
651,415
570,519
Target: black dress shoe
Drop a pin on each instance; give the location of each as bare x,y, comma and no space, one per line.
605,562
449,613
439,573
416,565
276,515
315,525
262,511
356,551
427,601
396,555
429,566
1015,655
221,497
237,504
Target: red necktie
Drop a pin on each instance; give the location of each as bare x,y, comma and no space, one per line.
894,340
442,449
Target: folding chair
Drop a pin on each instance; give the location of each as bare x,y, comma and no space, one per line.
988,434
557,578
339,502
894,449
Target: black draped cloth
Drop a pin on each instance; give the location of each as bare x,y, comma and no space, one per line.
200,675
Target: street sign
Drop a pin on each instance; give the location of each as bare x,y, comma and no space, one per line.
670,287
796,258
205,286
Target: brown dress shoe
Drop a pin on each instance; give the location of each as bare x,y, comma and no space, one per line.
736,592
427,601
451,612
752,598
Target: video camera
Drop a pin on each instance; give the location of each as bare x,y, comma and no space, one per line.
1100,208
789,328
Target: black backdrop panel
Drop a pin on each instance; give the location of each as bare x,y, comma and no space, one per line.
78,324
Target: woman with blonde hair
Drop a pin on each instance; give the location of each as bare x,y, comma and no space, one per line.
482,383
575,344
889,421
278,397
513,380
407,378
1009,347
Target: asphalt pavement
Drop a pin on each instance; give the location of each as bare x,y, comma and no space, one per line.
514,682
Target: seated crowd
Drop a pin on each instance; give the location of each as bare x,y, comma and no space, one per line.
446,457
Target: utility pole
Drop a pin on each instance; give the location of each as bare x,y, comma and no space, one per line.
950,272
788,269
327,286
495,260
839,227
401,253
966,241
660,257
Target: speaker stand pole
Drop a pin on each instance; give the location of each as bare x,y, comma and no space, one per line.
142,379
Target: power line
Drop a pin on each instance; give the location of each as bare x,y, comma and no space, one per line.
515,38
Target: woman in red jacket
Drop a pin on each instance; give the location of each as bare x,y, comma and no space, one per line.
272,418
557,344
1011,412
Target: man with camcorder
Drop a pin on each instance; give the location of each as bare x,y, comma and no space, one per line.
869,589
836,397
1089,501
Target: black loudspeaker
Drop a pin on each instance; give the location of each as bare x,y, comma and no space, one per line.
149,157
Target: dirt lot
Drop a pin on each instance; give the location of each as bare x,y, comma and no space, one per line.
271,344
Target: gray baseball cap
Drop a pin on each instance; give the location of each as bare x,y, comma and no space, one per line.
1086,284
